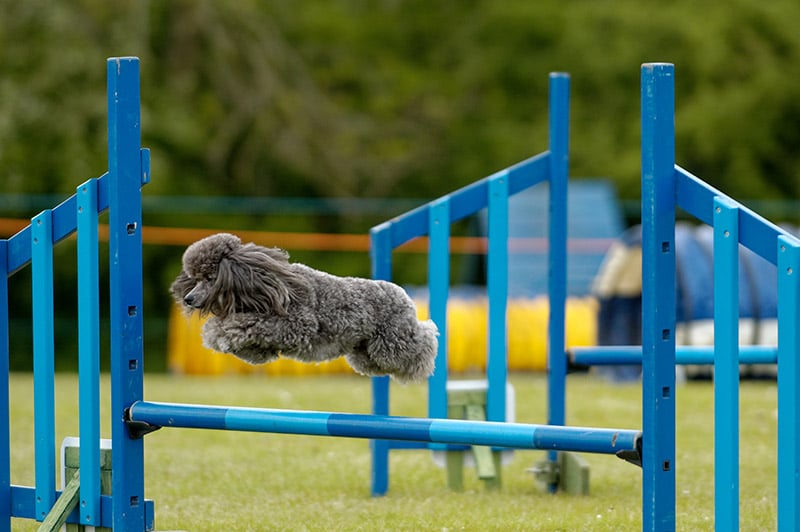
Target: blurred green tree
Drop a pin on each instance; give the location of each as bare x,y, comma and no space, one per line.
345,98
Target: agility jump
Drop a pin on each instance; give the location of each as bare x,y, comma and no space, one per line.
119,191
665,186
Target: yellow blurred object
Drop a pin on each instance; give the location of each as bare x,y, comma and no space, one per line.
187,355
467,340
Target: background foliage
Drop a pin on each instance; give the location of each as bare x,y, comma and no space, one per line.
388,98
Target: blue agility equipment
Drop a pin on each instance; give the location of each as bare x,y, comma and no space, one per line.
616,355
453,431
434,219
119,192
665,187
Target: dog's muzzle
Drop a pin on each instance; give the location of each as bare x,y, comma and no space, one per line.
193,299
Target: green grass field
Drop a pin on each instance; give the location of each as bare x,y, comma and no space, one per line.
213,480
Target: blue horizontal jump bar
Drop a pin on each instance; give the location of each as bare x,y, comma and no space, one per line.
612,355
495,434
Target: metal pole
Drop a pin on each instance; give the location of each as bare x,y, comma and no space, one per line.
450,431
788,383
125,272
43,362
726,364
438,293
497,293
557,264
381,258
5,427
89,351
658,296
613,355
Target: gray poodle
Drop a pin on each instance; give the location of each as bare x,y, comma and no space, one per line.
262,306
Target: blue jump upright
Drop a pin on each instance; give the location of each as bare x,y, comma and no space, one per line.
117,191
658,298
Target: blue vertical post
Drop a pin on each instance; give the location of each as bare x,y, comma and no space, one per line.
658,296
497,289
5,436
438,290
43,362
726,364
557,255
89,351
381,259
125,263
788,384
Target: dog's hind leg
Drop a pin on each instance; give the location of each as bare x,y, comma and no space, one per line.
422,359
408,354
361,362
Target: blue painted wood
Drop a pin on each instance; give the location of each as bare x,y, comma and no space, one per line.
755,232
726,364
381,263
421,221
470,199
125,272
22,506
33,244
557,259
497,293
531,171
19,250
43,361
64,224
613,355
449,431
406,227
5,436
788,254
438,290
658,296
145,158
89,351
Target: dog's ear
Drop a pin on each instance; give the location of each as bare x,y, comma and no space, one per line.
276,254
258,279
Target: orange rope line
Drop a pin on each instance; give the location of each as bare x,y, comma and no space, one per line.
181,236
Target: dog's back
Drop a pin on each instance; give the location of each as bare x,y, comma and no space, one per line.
374,323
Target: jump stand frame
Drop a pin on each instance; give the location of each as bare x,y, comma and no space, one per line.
434,220
469,402
665,186
119,191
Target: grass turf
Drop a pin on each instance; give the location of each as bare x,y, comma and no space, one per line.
213,480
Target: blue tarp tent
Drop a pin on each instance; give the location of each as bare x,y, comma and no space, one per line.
618,289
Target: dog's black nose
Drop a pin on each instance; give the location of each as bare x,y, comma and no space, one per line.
188,300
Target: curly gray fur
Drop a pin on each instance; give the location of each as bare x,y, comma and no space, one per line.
261,307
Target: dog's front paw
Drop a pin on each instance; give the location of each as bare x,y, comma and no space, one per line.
214,337
254,354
